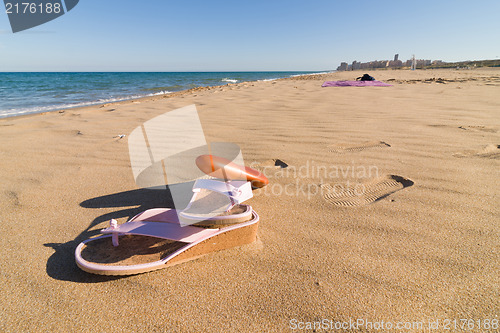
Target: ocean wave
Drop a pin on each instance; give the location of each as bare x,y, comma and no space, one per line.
56,107
308,74
229,80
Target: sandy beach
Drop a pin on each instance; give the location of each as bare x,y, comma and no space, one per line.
382,206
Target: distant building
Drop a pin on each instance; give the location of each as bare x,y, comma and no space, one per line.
423,62
396,63
343,66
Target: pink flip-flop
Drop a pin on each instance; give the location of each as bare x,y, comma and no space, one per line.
162,237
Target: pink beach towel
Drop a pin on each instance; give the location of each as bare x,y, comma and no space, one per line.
355,84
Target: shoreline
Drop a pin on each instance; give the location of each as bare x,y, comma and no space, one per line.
137,96
123,102
343,75
340,75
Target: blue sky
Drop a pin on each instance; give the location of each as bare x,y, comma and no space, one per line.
201,35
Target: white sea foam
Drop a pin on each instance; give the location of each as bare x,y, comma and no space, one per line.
312,74
229,80
48,108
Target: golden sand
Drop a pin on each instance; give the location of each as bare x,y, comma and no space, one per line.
387,209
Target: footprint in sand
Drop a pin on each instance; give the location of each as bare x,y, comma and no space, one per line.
489,129
13,198
490,151
364,193
346,148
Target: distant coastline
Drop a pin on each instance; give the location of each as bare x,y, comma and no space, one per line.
415,64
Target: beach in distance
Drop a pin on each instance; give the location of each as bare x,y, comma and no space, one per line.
381,209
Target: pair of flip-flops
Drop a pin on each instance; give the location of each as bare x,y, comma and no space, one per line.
214,219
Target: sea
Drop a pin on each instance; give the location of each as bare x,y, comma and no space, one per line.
24,93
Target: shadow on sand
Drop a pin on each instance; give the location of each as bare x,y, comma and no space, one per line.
61,265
